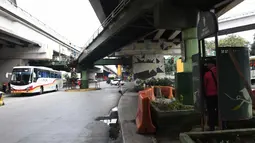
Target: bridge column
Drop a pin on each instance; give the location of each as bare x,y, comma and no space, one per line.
84,80
148,66
7,65
119,71
191,42
184,86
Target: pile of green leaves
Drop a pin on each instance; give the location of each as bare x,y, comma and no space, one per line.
156,82
172,106
159,82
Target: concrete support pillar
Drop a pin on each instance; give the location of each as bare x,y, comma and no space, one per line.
119,71
148,66
190,38
184,84
84,80
6,67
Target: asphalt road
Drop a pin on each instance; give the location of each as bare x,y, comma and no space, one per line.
58,117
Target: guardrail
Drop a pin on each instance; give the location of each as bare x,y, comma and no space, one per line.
106,22
27,16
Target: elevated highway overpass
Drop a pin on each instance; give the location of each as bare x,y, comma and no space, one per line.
24,38
36,40
139,20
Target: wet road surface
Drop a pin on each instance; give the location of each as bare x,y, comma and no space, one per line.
58,117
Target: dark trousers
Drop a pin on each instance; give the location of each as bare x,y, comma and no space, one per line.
212,110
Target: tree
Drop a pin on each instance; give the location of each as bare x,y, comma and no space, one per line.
170,64
229,41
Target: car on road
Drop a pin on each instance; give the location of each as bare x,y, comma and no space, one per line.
116,82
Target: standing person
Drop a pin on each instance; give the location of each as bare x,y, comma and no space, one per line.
211,94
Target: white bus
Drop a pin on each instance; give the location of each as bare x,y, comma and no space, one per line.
33,79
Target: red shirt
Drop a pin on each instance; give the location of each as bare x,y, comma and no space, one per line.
209,83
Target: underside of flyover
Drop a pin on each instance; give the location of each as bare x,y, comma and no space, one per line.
103,8
119,61
11,41
142,19
56,65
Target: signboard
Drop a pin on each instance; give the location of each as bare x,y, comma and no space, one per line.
207,25
234,99
196,83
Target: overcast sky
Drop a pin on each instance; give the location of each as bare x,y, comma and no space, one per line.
74,19
77,21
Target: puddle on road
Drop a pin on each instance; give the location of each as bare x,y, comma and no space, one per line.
112,121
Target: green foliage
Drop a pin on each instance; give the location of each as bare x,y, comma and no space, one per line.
229,41
153,82
74,75
170,64
110,78
138,88
181,98
66,76
173,106
159,82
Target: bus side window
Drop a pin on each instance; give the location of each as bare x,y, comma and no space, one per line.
47,74
39,73
34,79
43,74
52,74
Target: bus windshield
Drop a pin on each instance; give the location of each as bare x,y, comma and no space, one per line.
21,76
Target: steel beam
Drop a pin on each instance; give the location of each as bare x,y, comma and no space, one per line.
114,62
173,35
159,34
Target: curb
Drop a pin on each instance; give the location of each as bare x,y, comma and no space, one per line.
82,90
128,128
121,124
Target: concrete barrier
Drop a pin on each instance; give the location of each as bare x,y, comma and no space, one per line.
143,117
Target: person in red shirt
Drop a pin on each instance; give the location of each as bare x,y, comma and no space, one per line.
211,94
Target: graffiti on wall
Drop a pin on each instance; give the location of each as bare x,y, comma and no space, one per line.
148,66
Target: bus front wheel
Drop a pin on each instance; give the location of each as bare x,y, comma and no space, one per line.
41,90
56,87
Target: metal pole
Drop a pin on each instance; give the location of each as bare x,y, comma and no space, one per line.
201,101
203,48
217,61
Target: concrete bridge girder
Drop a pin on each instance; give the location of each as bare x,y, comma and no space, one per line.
246,20
164,48
170,15
122,20
21,31
237,24
26,53
122,61
15,21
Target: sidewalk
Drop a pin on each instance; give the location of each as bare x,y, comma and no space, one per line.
127,109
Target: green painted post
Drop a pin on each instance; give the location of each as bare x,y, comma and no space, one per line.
84,80
190,38
184,82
